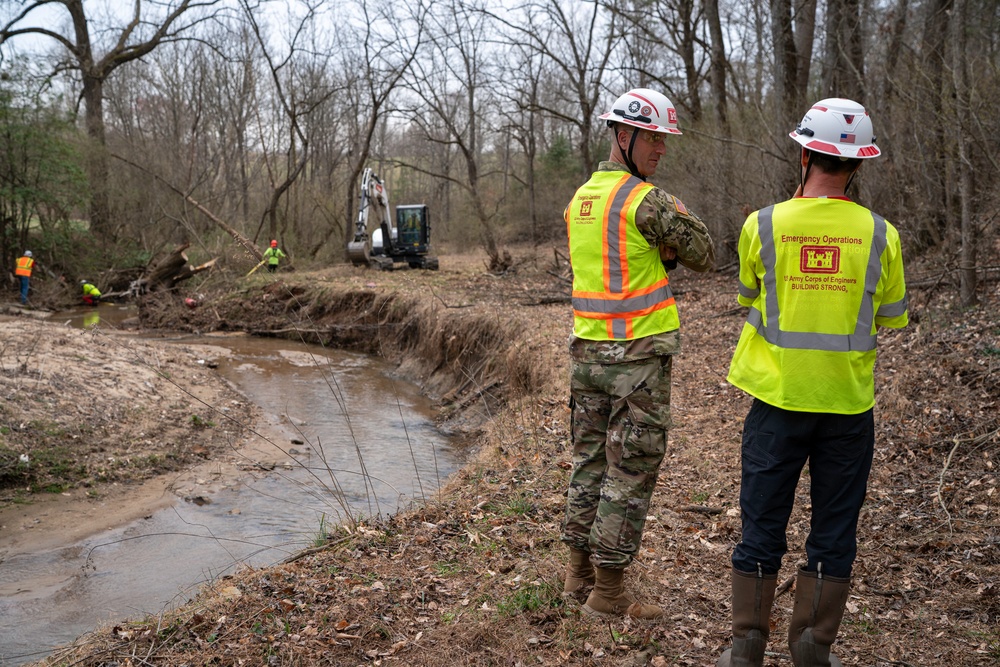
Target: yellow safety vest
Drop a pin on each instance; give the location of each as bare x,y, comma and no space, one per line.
91,290
818,274
23,266
620,288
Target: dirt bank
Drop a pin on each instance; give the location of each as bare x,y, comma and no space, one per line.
98,428
473,577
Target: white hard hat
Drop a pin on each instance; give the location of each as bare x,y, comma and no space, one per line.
27,253
646,109
839,127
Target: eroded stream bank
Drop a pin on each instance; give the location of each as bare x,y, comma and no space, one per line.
339,437
465,360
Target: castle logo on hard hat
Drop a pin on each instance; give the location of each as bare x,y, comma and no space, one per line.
819,259
672,116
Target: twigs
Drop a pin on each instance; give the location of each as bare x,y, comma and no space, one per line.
947,463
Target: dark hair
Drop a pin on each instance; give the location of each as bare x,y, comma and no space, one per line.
832,164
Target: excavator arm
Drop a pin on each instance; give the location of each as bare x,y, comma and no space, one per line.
373,208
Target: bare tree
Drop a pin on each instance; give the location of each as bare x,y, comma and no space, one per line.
719,65
785,62
385,59
844,70
960,82
148,26
299,89
579,39
450,83
668,31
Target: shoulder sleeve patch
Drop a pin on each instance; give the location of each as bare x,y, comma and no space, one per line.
679,205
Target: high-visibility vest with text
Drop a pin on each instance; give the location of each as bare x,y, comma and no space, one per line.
620,288
818,274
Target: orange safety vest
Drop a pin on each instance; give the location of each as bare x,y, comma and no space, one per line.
620,289
23,267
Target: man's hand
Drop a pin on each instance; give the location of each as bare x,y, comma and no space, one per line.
668,256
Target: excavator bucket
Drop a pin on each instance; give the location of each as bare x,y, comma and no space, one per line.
359,252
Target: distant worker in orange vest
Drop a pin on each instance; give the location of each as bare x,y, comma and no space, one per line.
23,271
624,234
272,255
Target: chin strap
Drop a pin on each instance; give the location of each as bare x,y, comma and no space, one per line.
803,175
849,181
627,154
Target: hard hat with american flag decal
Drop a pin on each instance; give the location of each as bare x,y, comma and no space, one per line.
839,127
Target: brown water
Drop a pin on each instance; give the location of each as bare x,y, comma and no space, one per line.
361,442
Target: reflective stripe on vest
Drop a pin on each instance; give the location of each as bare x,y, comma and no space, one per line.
23,266
620,303
862,340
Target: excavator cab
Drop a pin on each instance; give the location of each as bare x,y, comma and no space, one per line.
407,241
413,228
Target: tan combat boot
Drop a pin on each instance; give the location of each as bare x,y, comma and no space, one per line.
579,574
610,599
819,608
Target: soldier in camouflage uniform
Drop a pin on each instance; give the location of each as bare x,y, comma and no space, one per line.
623,234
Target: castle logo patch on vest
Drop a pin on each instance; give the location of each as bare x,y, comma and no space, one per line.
819,259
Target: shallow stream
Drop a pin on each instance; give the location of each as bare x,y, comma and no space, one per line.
354,440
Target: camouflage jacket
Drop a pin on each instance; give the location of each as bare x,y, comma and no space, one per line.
663,221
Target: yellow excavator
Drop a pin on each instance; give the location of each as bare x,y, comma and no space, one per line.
408,241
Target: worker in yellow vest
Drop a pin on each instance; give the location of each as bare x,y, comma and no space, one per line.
623,232
820,274
22,269
273,255
91,295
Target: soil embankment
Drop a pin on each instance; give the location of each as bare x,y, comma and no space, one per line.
473,577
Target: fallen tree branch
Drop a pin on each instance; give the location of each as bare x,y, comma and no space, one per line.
700,509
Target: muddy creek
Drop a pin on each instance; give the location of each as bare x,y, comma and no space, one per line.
346,439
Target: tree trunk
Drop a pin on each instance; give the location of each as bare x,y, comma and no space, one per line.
967,226
718,68
898,20
169,271
805,35
784,62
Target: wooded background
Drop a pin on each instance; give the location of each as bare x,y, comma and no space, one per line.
123,123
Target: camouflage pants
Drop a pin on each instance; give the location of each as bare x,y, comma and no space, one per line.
621,413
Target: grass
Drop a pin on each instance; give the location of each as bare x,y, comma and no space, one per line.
531,597
445,569
323,533
198,422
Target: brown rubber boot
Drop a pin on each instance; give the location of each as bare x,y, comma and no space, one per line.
610,599
753,594
579,574
816,616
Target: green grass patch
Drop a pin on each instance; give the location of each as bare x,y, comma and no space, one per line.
530,597
198,422
444,569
